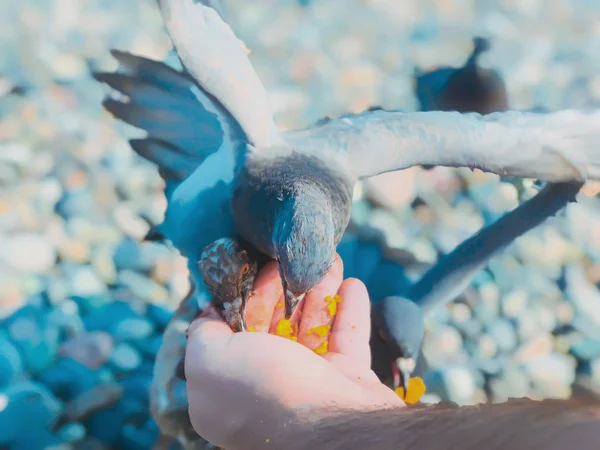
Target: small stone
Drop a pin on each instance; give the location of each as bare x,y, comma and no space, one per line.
102,262
392,190
544,316
138,438
513,383
106,424
28,252
11,363
442,343
564,312
85,282
105,317
68,378
65,318
36,341
131,255
459,384
99,397
92,349
134,328
487,347
137,386
159,315
539,346
514,303
73,431
149,347
128,221
503,333
74,250
30,408
460,312
552,375
68,66
143,287
125,357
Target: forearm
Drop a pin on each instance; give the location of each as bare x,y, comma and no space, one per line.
516,424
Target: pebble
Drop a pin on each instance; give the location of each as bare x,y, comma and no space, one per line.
513,383
125,357
29,408
134,328
37,343
503,333
445,342
67,378
514,304
142,287
99,397
85,283
459,384
551,374
28,252
72,431
535,347
11,363
92,349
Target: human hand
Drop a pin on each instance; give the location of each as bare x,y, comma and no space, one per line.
249,389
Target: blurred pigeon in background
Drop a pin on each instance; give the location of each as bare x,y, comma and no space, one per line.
467,89
230,173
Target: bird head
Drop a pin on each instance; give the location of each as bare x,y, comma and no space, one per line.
400,324
304,243
229,273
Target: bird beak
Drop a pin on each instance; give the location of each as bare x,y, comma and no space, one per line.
291,301
403,368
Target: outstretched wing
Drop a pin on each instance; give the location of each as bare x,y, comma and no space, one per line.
451,275
557,146
217,60
184,123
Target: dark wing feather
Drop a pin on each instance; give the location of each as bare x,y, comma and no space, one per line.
184,123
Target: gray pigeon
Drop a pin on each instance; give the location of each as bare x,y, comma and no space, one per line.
230,172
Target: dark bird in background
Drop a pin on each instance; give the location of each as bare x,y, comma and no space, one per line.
470,88
230,173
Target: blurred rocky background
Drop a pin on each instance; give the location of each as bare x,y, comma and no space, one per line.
83,303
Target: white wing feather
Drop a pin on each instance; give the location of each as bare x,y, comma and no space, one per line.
217,59
558,146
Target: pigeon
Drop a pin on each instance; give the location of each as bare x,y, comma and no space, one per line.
398,321
466,89
229,272
229,172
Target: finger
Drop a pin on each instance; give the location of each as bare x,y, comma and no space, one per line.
352,327
320,310
268,291
279,313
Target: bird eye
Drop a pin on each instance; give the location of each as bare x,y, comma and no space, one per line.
245,269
